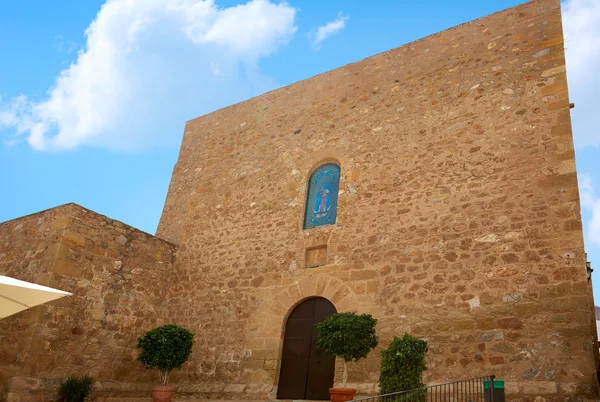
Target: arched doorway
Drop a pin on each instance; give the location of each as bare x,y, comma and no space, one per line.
305,373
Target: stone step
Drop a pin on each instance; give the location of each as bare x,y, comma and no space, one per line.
115,399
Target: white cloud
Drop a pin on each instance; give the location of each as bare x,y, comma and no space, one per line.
590,203
581,23
150,65
325,31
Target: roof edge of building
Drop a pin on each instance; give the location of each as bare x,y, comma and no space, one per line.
524,4
77,209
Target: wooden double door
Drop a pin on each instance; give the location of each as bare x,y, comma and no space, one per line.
305,373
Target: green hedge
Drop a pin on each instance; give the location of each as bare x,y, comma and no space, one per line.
402,365
75,389
165,348
349,336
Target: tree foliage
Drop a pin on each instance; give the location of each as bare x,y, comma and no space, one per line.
75,389
402,365
165,348
347,335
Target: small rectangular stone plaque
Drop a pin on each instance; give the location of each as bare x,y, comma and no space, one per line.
316,256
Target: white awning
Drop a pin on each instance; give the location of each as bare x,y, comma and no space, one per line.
16,295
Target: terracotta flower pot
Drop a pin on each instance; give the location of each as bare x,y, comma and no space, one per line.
162,393
341,394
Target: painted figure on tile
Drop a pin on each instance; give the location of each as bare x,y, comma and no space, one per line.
323,201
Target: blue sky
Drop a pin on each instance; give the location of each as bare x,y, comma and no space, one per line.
95,94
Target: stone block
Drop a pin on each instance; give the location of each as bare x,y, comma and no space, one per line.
464,325
66,268
270,364
363,275
485,323
489,336
373,286
13,397
332,287
234,388
72,239
264,354
272,343
534,388
24,383
316,257
294,292
558,86
509,323
554,71
512,387
97,314
496,360
551,42
322,283
61,222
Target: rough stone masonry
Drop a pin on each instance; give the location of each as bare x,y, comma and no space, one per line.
458,221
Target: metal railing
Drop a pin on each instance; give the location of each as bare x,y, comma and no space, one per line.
471,390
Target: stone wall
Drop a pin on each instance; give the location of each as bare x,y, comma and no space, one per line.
458,215
117,275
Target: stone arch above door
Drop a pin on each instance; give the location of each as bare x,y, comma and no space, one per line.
326,286
277,304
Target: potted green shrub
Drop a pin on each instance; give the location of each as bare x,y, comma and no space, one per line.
351,337
402,366
165,348
75,389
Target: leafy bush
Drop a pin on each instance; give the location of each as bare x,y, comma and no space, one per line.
347,335
165,348
402,365
75,389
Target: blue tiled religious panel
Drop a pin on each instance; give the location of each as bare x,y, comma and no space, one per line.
321,203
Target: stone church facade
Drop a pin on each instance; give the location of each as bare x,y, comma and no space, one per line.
456,219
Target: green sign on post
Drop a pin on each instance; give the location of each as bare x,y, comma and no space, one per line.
495,394
498,384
